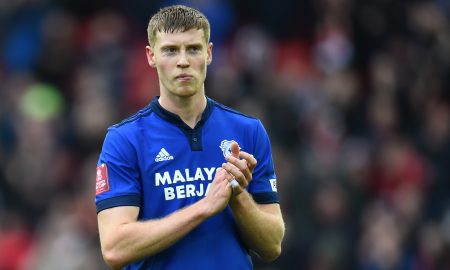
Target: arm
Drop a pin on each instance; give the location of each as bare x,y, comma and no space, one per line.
261,225
124,239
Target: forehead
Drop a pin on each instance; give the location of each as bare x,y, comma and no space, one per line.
179,38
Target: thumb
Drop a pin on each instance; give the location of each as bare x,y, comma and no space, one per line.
235,149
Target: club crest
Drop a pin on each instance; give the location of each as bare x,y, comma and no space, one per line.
225,145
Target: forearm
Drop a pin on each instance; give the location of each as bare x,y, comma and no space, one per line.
262,230
135,240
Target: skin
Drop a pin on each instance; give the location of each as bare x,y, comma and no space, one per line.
181,60
260,225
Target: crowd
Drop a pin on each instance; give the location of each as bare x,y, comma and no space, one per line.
355,96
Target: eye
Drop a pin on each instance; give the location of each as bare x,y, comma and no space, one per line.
169,50
194,49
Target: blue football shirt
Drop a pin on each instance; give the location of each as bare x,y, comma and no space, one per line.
153,160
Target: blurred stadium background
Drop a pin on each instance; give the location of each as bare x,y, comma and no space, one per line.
355,96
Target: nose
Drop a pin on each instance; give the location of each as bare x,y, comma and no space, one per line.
183,61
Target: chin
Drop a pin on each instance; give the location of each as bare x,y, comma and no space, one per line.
185,92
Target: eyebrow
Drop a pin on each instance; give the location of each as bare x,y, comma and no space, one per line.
172,45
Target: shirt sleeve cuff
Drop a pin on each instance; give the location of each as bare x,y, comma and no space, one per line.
266,197
126,200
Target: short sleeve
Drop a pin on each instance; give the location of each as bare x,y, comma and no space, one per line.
119,167
264,184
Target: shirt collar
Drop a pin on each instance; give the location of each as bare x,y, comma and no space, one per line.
175,119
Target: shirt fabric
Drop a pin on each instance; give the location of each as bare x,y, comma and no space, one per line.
154,161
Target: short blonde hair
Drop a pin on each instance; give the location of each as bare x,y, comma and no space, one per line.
177,18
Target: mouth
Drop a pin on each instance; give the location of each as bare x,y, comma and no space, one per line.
184,77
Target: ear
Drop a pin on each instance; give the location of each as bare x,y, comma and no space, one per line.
150,56
209,52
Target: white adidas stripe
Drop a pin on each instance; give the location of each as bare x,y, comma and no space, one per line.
163,150
163,155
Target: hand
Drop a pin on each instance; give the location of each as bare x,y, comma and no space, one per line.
240,169
219,192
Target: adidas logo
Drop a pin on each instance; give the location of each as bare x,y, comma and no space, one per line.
163,155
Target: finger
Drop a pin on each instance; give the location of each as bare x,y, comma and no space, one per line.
220,172
224,184
219,188
233,170
251,160
235,149
228,177
221,175
238,175
241,165
226,188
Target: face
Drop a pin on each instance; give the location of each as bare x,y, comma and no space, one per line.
181,60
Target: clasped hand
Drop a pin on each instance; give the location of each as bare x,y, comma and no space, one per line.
239,166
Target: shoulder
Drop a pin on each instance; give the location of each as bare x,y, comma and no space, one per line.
123,136
228,112
133,121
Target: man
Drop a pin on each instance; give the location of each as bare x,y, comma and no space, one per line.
166,191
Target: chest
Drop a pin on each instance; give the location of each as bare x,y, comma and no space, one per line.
172,173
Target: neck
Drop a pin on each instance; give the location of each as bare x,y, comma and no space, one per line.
189,109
